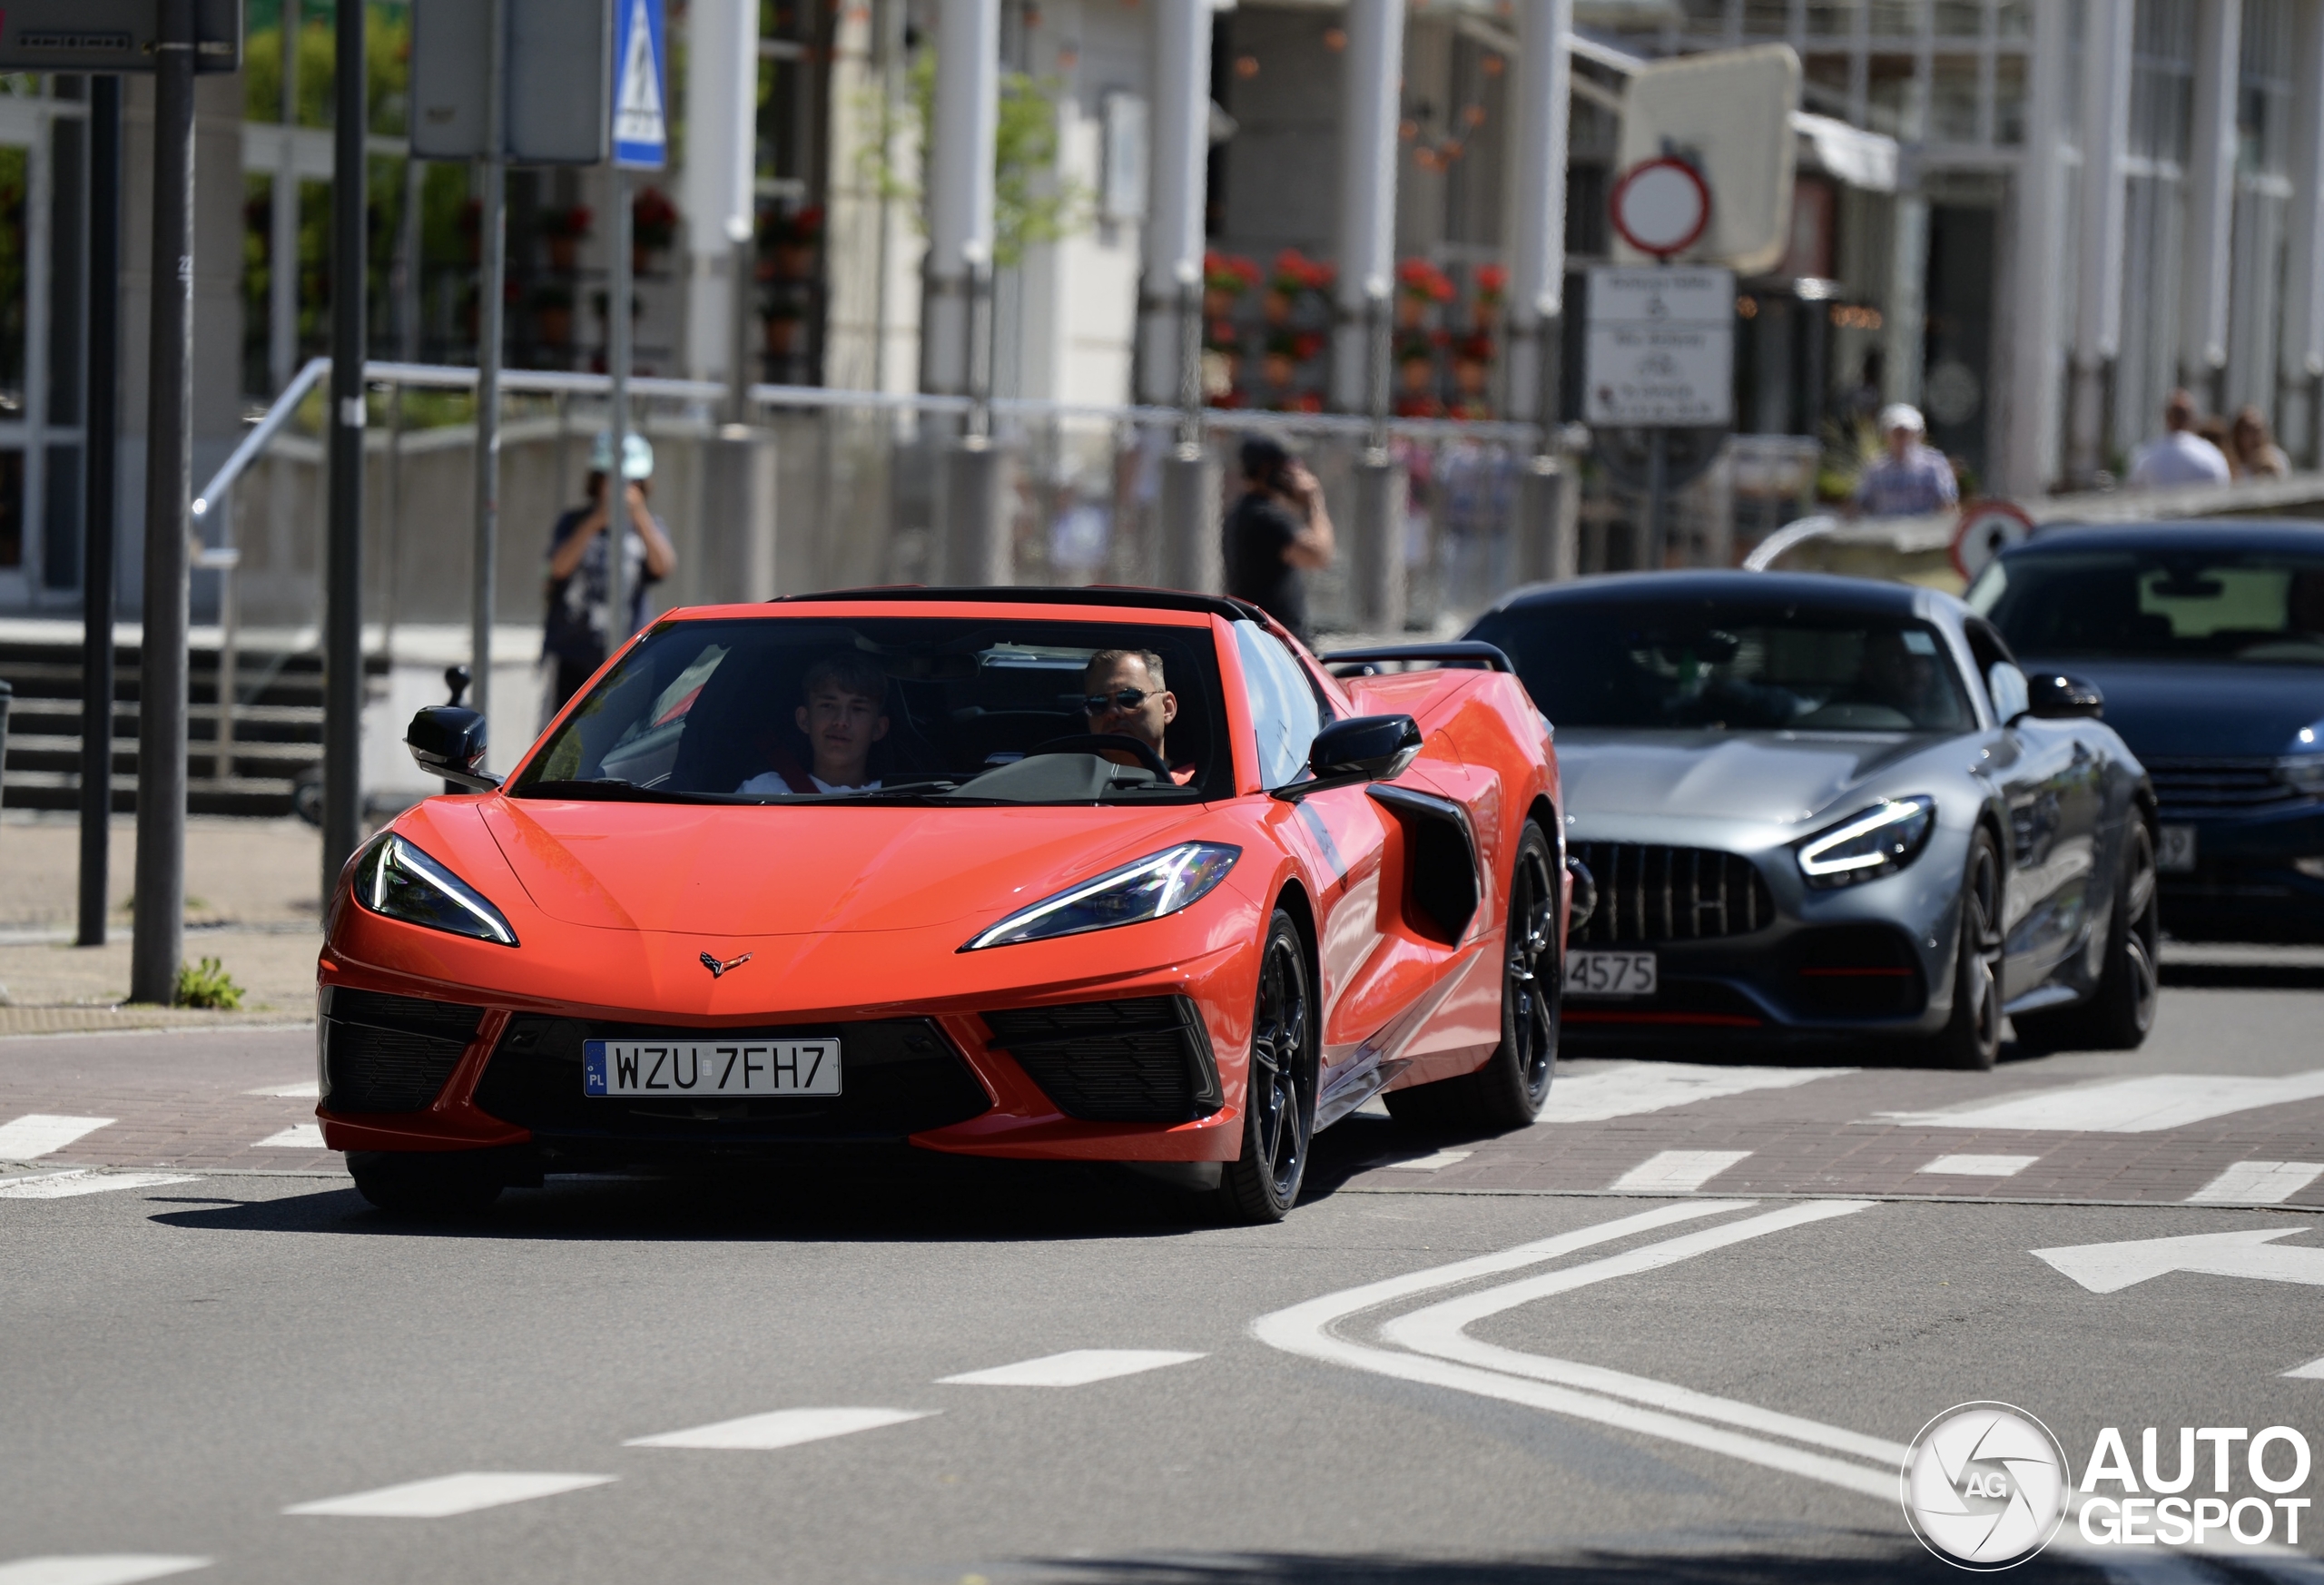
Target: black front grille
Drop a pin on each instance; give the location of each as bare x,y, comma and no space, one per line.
1856,971
1648,894
898,1077
391,1053
1142,1059
2217,783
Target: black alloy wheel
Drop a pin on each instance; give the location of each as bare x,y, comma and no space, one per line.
2120,1010
1508,1091
430,1184
1971,1038
1279,1094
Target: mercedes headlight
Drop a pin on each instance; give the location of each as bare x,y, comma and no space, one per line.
1161,884
2303,768
1876,842
396,879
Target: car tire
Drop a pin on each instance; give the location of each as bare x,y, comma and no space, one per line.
428,1183
1971,1038
2117,1015
1263,1184
1509,1090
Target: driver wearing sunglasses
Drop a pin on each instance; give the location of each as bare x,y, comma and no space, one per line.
1124,694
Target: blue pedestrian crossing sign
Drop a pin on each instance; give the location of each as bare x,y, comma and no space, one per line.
641,123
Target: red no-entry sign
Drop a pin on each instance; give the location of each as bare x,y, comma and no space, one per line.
1660,206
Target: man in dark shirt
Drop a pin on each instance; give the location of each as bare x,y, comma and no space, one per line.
1277,530
580,632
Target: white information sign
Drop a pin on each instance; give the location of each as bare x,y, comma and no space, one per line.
1661,348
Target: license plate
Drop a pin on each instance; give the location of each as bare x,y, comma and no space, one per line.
1609,974
2176,851
692,1069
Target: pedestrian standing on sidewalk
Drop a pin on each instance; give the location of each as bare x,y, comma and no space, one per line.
580,631
1911,480
1276,532
2178,455
2254,451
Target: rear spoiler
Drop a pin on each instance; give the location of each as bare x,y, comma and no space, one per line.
1467,652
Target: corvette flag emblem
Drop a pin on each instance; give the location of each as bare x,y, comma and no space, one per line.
717,968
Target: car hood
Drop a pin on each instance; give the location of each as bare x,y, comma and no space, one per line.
1760,777
2167,711
778,870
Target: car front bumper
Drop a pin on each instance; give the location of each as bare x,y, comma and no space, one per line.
2247,883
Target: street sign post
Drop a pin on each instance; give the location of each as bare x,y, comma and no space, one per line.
343,553
641,142
1661,353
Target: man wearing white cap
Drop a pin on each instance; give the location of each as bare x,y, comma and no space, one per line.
1912,480
581,631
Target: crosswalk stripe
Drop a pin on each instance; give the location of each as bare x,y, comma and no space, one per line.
1431,1163
1654,1086
296,1136
63,1186
2144,1105
39,1134
2258,1183
1678,1171
2313,1371
95,1569
447,1495
1979,1166
1075,1367
781,1428
305,1090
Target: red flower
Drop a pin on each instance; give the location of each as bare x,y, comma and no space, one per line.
1491,281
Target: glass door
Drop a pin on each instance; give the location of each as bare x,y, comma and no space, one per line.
44,189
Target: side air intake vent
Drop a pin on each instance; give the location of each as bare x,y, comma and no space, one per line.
1145,1060
391,1053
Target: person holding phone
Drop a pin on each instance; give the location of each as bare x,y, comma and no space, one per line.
1278,530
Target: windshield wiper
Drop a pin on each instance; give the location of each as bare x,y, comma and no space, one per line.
612,790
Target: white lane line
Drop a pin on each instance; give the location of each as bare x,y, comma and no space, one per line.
2258,1183
95,1569
1677,1172
1442,1328
1654,1086
1979,1166
2123,1106
782,1428
1430,1163
2313,1371
1305,1329
296,1136
63,1186
305,1090
447,1495
38,1134
1074,1368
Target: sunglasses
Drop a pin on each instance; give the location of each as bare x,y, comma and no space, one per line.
1120,699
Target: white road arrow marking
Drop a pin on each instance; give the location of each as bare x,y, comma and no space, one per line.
2107,1269
1075,1367
95,1569
781,1428
447,1495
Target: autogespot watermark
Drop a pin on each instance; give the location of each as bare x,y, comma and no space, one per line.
1986,1486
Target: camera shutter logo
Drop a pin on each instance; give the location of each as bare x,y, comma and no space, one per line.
1984,1486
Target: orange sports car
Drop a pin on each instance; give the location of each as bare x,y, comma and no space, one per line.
1112,874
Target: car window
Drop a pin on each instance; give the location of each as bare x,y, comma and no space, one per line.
1283,706
2165,603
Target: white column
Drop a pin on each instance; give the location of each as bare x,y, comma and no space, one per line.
959,161
722,154
1178,152
2025,430
2105,140
2210,192
2303,344
1369,105
1536,203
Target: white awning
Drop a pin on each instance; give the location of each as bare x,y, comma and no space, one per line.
1859,158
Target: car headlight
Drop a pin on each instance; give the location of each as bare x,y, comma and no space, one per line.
1878,841
2303,768
396,879
1161,883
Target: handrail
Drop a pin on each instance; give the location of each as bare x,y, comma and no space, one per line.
255,441
1799,531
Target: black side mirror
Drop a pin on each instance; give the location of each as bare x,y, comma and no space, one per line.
2055,697
449,741
1362,748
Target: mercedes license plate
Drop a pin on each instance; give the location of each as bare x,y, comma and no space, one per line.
671,1068
1609,974
2176,851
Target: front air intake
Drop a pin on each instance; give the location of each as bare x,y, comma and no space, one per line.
390,1053
1144,1060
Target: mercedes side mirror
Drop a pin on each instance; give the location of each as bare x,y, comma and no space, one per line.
2055,697
1362,748
449,741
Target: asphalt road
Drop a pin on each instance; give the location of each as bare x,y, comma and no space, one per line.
1706,1383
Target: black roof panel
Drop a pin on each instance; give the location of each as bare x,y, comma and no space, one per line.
1088,594
2185,533
1827,590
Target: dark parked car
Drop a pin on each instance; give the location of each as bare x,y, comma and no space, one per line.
2208,639
1828,807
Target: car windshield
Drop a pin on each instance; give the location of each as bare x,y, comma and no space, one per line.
1725,665
2165,603
795,709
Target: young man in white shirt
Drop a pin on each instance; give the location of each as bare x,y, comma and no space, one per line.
2178,456
844,713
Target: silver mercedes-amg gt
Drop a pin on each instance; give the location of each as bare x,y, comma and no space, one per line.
1829,809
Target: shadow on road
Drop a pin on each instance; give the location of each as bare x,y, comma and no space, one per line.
1717,1562
2243,975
